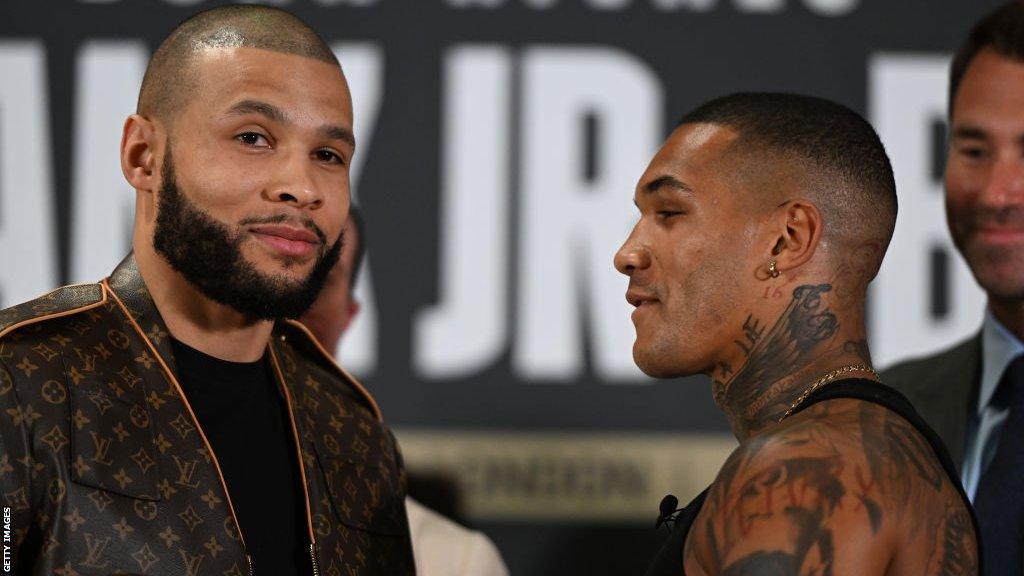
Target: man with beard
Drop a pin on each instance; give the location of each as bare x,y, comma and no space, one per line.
169,419
762,220
973,393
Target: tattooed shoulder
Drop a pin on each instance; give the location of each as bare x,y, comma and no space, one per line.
839,489
933,522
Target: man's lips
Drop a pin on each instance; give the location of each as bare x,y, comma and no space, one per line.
1000,235
640,298
289,241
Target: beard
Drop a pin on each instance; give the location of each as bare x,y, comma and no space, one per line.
208,255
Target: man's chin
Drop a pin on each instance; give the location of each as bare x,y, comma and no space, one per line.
999,272
287,272
658,365
1001,285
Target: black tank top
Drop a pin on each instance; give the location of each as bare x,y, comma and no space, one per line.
669,560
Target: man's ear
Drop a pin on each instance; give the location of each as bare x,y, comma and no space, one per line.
799,224
139,142
353,309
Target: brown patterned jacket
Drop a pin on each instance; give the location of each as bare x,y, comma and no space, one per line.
105,470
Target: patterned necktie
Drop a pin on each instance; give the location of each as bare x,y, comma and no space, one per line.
999,502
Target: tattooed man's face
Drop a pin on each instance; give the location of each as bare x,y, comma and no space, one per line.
689,258
985,173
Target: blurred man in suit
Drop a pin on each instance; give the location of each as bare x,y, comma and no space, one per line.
440,546
973,393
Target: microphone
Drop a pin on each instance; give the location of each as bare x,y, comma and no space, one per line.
667,510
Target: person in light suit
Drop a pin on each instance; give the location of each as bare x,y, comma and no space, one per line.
441,547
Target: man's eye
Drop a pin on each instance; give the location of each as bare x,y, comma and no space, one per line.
329,157
973,152
252,139
666,214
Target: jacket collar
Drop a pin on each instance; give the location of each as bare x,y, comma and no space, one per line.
127,284
999,347
948,393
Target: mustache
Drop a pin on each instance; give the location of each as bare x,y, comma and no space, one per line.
306,223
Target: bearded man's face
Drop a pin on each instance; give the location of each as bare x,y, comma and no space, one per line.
250,209
209,255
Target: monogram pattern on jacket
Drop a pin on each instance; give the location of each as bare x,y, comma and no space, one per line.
106,470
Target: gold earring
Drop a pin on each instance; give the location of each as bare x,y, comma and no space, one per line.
772,270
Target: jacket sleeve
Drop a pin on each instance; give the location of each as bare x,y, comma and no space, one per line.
15,490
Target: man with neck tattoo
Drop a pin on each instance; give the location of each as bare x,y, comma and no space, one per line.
762,220
170,419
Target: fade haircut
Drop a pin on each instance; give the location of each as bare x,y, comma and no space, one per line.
829,151
170,75
1001,30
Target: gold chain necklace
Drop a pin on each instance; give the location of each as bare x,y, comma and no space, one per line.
825,380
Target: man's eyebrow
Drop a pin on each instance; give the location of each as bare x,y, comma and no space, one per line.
666,181
256,107
274,113
969,132
338,133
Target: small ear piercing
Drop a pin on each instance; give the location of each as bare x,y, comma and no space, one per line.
773,271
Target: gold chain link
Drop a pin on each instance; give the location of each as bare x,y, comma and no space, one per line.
826,379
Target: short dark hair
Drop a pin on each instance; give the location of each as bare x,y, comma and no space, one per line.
355,217
836,152
168,78
1001,30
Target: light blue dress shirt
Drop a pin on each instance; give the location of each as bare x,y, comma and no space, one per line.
998,348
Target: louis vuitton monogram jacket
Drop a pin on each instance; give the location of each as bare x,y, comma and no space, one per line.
105,470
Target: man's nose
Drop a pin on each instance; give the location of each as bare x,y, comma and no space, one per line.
632,256
1006,182
296,185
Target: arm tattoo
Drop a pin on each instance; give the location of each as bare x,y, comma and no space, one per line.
958,556
776,511
897,454
803,489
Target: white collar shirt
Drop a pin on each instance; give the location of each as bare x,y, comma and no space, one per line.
999,347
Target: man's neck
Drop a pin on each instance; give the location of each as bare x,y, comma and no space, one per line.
774,362
1010,313
194,319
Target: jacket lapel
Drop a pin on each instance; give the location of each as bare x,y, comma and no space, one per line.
949,394
126,282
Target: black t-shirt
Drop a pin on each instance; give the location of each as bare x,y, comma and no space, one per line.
245,418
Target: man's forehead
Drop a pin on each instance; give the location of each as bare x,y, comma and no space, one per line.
254,61
691,150
703,135
231,73
992,89
698,142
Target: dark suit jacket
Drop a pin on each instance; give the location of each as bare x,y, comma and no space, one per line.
944,389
